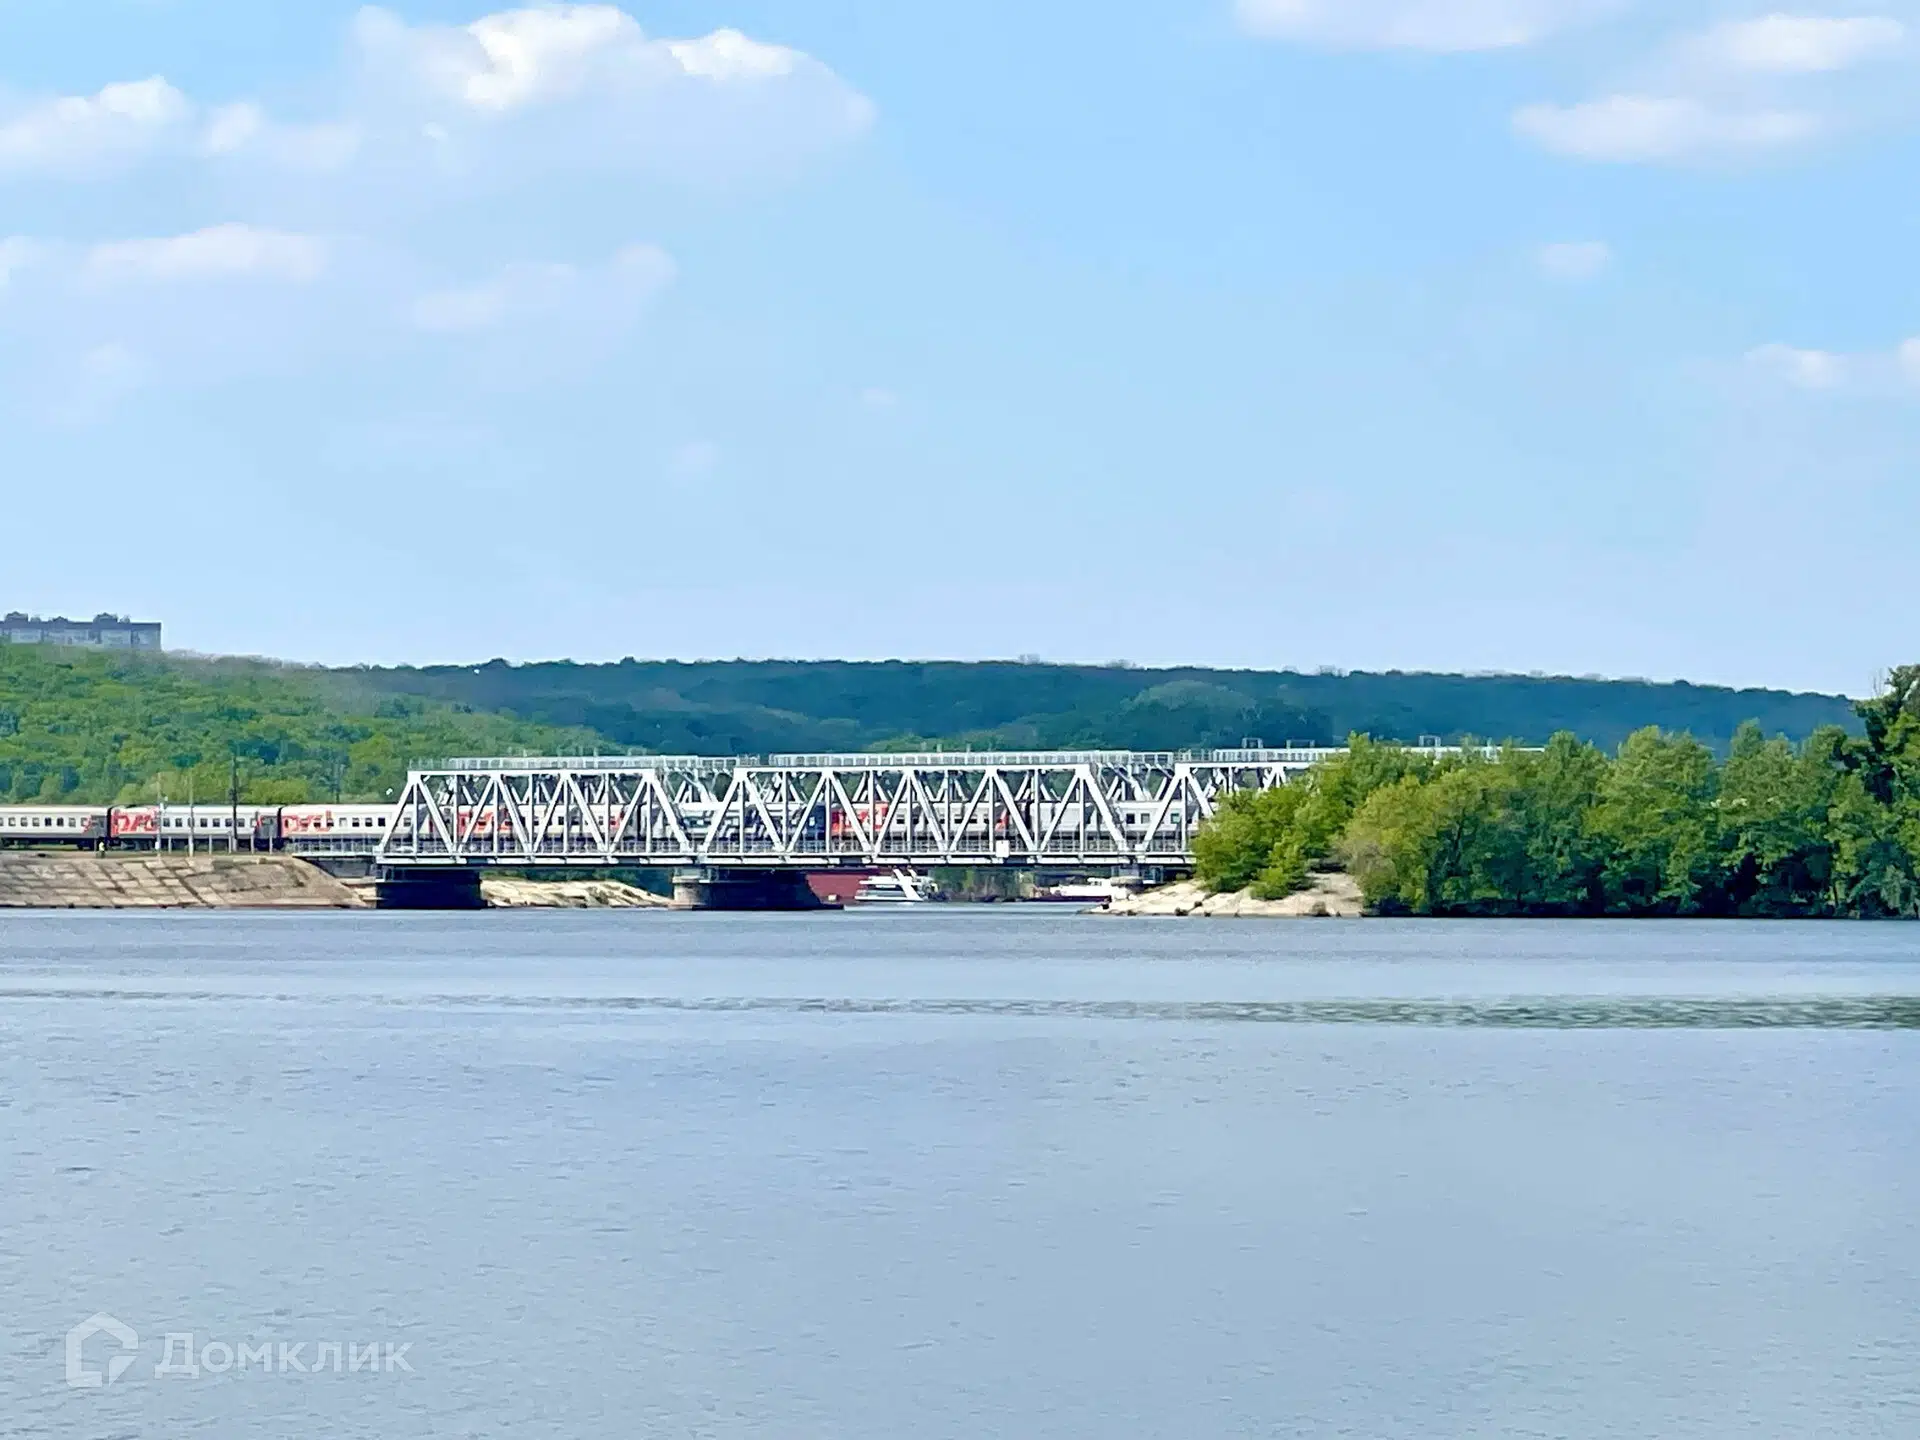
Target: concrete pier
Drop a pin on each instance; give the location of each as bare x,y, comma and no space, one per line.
725,889
429,889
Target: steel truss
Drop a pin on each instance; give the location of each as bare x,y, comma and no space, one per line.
1086,809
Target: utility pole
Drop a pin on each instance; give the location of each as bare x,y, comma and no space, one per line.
233,799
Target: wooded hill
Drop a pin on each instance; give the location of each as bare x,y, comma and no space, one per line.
86,726
759,707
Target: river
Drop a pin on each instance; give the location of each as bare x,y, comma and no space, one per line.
955,1172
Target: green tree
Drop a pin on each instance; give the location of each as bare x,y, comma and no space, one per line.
1657,823
1774,807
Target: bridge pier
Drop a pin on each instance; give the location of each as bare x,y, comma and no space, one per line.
728,889
400,888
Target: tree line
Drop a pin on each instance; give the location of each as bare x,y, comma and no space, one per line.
92,728
1659,826
758,707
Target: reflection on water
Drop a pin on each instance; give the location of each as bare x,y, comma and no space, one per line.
961,1174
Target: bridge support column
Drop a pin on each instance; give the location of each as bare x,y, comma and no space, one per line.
718,889
401,888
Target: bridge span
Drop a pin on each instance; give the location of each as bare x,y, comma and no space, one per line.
1090,810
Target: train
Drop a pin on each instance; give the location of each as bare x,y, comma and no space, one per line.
313,829
357,829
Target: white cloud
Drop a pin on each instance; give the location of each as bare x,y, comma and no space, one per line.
1798,44
571,86
86,135
79,132
1883,373
1436,25
1641,128
1909,360
244,129
503,61
1574,260
1740,89
586,87
729,56
1803,369
524,58
530,291
221,251
540,117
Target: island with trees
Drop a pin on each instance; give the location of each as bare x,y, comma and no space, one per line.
1661,825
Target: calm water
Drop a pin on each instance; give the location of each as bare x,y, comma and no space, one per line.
961,1173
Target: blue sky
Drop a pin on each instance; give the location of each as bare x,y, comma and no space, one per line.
1563,335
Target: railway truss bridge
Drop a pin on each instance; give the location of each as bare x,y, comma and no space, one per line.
757,825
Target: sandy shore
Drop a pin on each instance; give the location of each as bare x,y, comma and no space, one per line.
1326,895
502,894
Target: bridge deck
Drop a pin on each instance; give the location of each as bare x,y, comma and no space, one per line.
1092,809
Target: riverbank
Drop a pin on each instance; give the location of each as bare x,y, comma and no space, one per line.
76,880
1326,896
40,880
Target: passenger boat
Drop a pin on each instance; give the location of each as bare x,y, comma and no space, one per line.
901,887
1084,892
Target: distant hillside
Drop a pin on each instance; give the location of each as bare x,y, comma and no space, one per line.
81,726
758,707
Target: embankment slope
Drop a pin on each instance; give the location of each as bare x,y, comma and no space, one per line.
48,881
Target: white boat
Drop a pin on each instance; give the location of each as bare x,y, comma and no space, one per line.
902,887
1085,892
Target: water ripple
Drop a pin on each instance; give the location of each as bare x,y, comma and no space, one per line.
1544,1012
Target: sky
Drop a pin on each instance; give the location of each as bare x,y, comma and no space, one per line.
1576,336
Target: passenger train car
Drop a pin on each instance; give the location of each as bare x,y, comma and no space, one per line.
300,829
358,829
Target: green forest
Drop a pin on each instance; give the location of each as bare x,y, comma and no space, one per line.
91,727
82,727
1826,827
759,707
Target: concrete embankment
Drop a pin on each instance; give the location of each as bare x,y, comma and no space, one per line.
49,881
1325,895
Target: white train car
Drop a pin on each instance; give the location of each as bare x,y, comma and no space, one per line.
332,829
196,827
42,825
